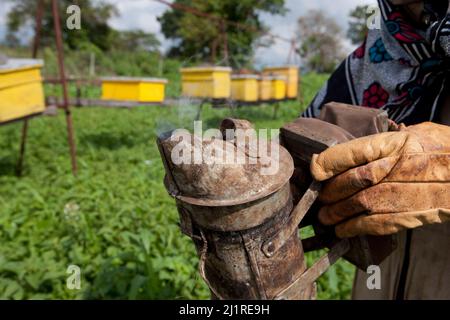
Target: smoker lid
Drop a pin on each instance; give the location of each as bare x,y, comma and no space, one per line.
216,185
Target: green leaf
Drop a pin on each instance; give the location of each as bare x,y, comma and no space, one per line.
136,286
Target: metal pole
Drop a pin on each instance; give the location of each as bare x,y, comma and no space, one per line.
291,51
62,75
36,41
38,27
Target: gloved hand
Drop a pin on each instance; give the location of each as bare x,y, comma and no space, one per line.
387,182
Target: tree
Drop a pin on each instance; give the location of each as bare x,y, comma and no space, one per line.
94,22
358,29
136,40
199,38
320,41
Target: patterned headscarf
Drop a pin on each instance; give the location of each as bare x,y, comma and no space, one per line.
398,68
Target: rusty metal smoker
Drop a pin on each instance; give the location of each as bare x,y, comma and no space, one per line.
238,221
245,224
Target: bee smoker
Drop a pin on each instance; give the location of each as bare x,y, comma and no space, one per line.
240,222
245,224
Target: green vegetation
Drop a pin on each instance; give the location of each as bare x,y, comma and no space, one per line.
357,29
205,39
319,36
95,33
115,220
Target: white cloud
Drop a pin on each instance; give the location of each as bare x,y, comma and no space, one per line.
287,25
139,14
4,9
142,14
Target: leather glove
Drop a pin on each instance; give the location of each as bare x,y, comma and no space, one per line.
387,182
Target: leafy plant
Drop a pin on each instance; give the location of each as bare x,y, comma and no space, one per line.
115,219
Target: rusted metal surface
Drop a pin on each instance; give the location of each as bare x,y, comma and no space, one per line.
305,137
251,249
24,134
317,269
240,217
234,265
314,243
38,27
229,232
224,184
62,75
271,245
234,124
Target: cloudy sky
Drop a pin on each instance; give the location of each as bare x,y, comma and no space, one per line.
142,14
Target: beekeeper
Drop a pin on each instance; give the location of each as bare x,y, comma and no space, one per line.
396,182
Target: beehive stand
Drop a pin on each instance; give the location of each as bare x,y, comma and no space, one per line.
62,81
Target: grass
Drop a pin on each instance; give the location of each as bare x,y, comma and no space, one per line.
115,219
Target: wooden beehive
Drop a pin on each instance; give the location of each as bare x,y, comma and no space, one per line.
291,75
134,89
265,88
21,89
244,88
206,82
278,88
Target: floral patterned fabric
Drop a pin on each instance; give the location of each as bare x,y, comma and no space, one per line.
375,96
398,68
378,52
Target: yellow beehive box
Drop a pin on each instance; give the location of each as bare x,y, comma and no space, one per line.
291,75
206,82
21,90
265,88
244,88
278,88
134,89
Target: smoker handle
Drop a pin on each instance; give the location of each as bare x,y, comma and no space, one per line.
274,243
307,278
201,267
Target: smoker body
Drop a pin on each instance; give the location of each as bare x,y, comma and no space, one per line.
246,234
229,242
